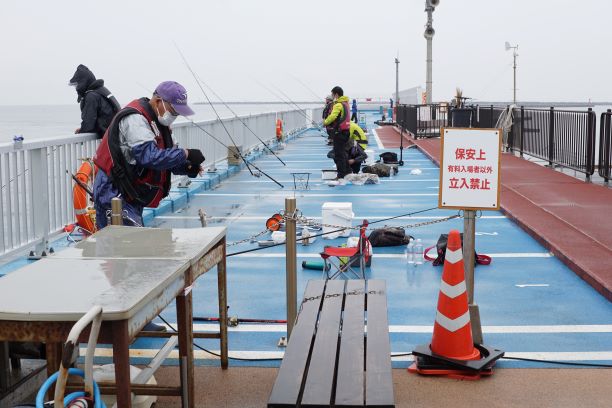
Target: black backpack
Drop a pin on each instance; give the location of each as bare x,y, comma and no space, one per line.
388,157
441,249
389,236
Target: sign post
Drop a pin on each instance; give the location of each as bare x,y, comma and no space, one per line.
470,181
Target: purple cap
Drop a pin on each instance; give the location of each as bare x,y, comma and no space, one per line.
176,95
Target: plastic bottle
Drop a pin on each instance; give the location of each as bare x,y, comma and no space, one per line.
418,252
305,236
409,253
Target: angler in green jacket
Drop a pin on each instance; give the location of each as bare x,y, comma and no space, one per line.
357,134
338,121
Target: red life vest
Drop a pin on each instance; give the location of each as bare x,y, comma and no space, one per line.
145,187
343,121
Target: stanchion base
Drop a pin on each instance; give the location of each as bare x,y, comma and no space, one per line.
429,363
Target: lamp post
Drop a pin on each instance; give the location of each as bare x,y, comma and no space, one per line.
430,6
514,54
396,82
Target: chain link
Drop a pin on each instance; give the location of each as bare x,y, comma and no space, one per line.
305,221
299,218
252,238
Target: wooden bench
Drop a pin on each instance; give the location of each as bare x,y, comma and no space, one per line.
331,360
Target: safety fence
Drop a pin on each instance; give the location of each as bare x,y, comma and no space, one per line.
561,137
423,120
605,145
36,182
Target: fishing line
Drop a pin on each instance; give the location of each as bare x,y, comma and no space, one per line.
237,152
307,87
213,108
297,106
240,119
287,103
218,355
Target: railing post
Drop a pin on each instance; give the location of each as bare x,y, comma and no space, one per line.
604,148
551,136
40,205
590,159
291,263
116,211
522,130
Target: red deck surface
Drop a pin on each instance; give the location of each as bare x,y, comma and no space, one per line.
571,218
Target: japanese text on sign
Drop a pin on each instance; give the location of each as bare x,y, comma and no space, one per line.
469,171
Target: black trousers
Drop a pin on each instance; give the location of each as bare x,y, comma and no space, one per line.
340,155
354,117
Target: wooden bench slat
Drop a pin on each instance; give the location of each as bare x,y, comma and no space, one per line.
320,381
286,390
350,379
379,381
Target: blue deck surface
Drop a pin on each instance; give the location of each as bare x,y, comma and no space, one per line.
531,304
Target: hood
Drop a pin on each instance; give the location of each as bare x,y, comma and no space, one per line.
98,83
342,99
83,78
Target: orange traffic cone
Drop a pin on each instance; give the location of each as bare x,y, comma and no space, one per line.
452,334
452,351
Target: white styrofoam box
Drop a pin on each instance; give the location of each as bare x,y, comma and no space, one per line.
337,213
329,174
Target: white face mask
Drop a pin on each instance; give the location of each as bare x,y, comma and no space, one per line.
167,118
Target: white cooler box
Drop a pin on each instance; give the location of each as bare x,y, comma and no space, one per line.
340,214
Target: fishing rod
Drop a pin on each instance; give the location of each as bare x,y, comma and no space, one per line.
235,153
307,87
240,119
297,106
81,184
223,124
213,108
301,111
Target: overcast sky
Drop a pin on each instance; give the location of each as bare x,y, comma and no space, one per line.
564,47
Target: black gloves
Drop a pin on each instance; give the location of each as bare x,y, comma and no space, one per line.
194,159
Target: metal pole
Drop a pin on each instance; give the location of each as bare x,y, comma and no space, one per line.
429,33
469,238
291,264
116,211
514,97
396,83
428,82
40,206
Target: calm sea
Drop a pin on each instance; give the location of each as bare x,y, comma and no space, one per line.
42,121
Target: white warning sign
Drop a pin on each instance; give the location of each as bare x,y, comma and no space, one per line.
470,168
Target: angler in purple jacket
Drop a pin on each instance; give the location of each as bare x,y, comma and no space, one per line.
137,154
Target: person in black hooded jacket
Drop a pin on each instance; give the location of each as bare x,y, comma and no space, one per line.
98,105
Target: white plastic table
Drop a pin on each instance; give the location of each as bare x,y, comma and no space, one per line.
133,273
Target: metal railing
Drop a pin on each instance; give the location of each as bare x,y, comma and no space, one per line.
423,120
605,145
561,137
487,116
36,185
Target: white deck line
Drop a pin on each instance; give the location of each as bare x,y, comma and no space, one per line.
276,162
304,194
415,329
313,181
265,217
401,256
199,354
317,169
378,141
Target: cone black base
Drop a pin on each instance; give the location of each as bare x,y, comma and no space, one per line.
429,363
